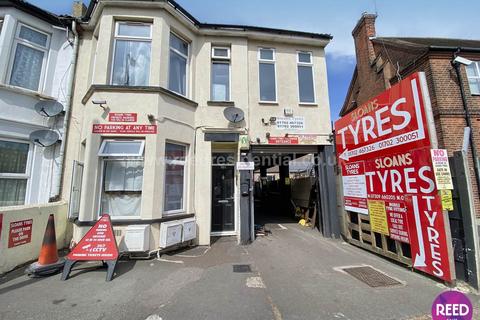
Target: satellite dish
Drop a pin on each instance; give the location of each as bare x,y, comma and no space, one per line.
48,108
233,114
44,138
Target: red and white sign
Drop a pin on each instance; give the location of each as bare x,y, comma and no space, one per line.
394,121
122,117
355,187
124,128
20,233
283,140
388,140
98,244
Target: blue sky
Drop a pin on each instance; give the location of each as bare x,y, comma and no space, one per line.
414,18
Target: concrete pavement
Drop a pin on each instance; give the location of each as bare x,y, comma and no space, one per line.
293,276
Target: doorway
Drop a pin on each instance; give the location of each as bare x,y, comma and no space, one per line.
223,194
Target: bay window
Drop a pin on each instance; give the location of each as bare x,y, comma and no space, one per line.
306,89
473,74
14,172
132,51
29,59
175,165
268,86
122,162
220,86
178,65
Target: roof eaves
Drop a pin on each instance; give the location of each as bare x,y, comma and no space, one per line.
34,11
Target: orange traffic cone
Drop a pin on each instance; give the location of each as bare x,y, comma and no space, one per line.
48,262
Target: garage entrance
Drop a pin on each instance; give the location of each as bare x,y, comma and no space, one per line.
291,183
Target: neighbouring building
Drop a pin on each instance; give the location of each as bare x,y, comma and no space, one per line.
455,103
166,106
36,52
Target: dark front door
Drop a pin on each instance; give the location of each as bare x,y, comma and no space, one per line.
223,204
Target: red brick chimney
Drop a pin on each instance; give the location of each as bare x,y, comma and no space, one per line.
363,31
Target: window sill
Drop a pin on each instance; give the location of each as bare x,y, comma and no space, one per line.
220,103
272,103
308,104
138,220
26,92
140,89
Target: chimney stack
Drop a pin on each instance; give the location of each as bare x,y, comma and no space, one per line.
79,9
362,34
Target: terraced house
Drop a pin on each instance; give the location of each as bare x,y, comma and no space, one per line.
171,118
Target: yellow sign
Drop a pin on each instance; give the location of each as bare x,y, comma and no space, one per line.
447,200
378,217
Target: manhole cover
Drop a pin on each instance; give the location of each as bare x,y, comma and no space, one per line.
372,277
242,268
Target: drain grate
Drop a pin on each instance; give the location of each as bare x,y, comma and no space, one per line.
242,268
372,277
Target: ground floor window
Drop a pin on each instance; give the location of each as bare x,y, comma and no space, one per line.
175,162
122,164
14,172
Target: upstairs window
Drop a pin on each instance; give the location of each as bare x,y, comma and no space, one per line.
306,85
473,74
177,78
220,87
131,57
14,172
29,59
268,86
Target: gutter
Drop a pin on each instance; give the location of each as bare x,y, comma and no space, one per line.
73,63
448,48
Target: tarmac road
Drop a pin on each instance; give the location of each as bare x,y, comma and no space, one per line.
293,275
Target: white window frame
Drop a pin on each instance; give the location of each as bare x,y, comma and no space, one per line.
477,66
221,57
273,61
224,60
46,50
105,141
118,157
28,169
306,64
116,37
185,174
187,58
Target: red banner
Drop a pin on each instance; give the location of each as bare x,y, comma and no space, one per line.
124,128
388,137
20,233
98,244
122,117
283,140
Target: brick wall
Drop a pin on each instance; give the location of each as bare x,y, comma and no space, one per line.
449,113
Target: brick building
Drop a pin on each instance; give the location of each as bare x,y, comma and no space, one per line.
382,61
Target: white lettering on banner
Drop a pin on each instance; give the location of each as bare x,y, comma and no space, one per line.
378,127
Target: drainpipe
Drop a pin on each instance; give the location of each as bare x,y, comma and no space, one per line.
457,66
59,172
